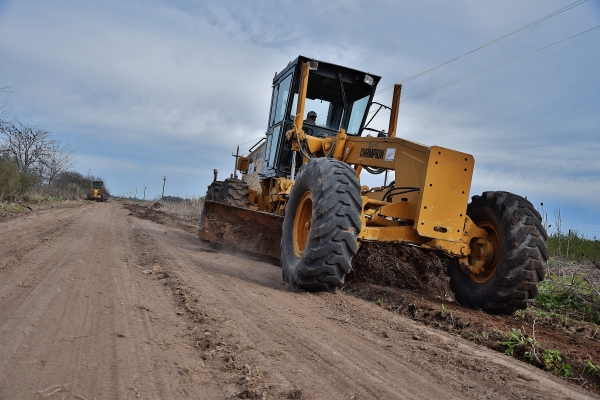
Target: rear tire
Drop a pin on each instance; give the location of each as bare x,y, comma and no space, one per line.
520,258
321,226
213,190
234,192
211,194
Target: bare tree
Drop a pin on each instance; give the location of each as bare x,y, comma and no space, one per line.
32,148
29,146
59,158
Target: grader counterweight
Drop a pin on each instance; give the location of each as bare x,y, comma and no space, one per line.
301,199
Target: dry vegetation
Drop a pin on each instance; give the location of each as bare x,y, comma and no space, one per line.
188,209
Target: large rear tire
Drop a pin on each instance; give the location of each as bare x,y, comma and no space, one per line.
213,190
321,226
211,194
234,192
520,250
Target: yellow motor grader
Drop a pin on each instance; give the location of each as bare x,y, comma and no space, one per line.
301,199
96,191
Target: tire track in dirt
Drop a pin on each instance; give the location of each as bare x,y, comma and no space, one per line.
67,309
82,322
20,236
304,344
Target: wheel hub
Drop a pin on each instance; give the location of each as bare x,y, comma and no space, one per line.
302,224
483,260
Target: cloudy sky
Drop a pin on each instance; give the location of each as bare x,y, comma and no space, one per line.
147,89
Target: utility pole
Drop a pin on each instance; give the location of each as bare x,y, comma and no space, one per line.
135,197
144,192
164,181
236,155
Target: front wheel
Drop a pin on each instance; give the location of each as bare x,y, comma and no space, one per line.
516,253
321,226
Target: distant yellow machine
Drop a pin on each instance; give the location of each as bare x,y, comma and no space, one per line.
97,191
301,198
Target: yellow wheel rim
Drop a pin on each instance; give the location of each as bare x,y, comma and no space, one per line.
302,223
491,257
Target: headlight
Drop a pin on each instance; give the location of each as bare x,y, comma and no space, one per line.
369,80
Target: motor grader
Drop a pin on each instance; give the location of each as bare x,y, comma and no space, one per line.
96,191
301,200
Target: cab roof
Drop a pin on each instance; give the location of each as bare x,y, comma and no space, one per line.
326,68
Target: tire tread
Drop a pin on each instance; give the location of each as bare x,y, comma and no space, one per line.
335,226
521,264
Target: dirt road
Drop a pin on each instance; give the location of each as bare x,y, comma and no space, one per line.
80,319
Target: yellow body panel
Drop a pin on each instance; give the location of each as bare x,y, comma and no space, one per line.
445,194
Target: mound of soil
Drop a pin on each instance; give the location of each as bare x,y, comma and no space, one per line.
402,267
159,217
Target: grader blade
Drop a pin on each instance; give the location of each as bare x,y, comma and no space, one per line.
241,229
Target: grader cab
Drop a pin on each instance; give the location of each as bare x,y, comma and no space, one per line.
301,198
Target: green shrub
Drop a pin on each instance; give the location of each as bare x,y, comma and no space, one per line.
570,296
13,183
592,369
574,246
519,344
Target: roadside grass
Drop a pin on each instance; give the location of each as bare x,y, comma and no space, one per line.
18,205
571,288
189,209
40,198
10,207
574,247
572,294
520,345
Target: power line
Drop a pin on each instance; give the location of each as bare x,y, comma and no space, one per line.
207,163
215,159
204,165
224,159
504,63
555,13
